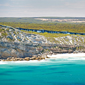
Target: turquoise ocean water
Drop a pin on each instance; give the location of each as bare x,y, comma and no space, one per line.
51,72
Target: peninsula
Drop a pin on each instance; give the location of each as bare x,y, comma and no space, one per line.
28,41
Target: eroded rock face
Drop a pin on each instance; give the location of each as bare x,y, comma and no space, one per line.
16,52
19,50
15,43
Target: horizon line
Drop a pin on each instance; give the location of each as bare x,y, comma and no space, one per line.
40,16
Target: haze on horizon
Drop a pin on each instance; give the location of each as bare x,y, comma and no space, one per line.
42,8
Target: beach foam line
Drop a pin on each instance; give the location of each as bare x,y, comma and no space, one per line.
30,61
67,55
1,62
23,62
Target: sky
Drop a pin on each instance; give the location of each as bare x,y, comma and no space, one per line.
42,8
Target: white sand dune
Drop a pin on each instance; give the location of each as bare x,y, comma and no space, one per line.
67,55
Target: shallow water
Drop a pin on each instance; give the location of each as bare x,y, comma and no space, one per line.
50,72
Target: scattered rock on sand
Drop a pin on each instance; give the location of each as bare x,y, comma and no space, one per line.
27,58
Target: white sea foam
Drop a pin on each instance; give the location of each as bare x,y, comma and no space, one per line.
1,62
77,58
31,61
67,55
24,62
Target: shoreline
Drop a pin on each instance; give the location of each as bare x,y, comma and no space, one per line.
53,56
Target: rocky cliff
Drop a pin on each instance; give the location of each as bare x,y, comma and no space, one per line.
15,43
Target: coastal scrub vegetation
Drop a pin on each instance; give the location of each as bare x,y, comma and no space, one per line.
70,27
47,34
3,33
51,37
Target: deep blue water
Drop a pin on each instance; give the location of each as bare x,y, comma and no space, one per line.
50,72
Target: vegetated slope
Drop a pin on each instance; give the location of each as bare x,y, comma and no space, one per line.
78,28
8,34
66,39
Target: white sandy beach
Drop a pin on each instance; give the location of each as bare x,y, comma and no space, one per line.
67,55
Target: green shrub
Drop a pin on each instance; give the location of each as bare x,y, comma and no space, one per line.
7,29
4,34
